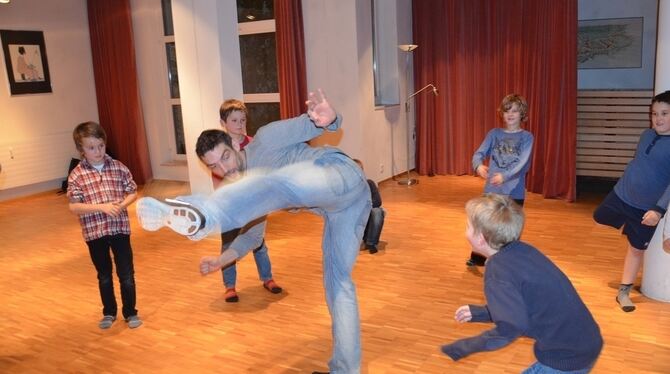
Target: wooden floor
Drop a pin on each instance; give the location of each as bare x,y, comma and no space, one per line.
49,302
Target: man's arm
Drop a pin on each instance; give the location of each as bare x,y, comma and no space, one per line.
320,115
250,238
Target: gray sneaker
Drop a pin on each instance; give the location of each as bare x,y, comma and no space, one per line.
106,322
134,322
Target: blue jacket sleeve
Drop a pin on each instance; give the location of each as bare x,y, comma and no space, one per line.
279,134
480,313
507,311
483,152
524,158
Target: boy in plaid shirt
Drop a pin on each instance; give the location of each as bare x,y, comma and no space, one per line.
100,189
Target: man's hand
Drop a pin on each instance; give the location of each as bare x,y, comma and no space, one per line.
209,264
319,109
666,244
463,314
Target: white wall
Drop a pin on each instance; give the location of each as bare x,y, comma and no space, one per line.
208,60
38,127
633,78
154,89
338,43
338,37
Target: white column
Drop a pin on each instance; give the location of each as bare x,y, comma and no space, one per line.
662,80
655,276
208,61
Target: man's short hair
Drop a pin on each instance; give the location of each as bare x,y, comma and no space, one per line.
498,218
209,139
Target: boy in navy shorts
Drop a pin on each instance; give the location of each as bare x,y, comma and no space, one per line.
641,195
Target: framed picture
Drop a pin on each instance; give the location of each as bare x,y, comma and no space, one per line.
26,61
614,43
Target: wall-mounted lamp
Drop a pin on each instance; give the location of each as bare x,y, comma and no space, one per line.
5,1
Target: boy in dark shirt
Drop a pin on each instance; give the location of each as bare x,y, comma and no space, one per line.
526,294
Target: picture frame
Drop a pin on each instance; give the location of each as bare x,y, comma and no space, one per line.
26,62
611,43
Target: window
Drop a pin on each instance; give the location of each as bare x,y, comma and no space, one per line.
178,147
258,52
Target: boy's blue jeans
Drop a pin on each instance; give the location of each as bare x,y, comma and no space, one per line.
334,187
261,257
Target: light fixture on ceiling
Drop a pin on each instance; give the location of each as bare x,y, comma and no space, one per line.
5,1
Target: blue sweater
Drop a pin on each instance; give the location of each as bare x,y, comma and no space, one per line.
528,295
510,156
645,183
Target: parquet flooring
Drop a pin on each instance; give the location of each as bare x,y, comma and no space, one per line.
407,293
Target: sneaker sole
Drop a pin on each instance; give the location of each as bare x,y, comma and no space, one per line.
106,324
179,216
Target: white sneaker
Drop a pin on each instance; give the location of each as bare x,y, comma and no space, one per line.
181,217
134,322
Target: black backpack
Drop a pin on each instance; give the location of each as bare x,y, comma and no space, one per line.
73,164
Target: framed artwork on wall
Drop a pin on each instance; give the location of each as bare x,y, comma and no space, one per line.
25,62
612,43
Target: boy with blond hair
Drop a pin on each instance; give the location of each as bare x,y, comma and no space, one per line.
509,151
100,189
526,294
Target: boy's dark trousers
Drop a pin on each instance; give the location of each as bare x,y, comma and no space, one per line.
123,259
373,229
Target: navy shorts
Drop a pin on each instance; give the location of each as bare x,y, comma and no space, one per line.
616,213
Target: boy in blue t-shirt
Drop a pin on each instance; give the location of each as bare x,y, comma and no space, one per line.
508,151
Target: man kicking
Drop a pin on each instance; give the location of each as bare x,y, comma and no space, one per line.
281,171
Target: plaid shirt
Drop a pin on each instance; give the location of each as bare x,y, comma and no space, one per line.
89,186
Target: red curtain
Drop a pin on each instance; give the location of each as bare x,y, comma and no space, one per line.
478,51
117,90
290,57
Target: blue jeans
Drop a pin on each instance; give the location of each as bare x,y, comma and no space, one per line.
538,368
99,249
332,186
373,229
260,256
